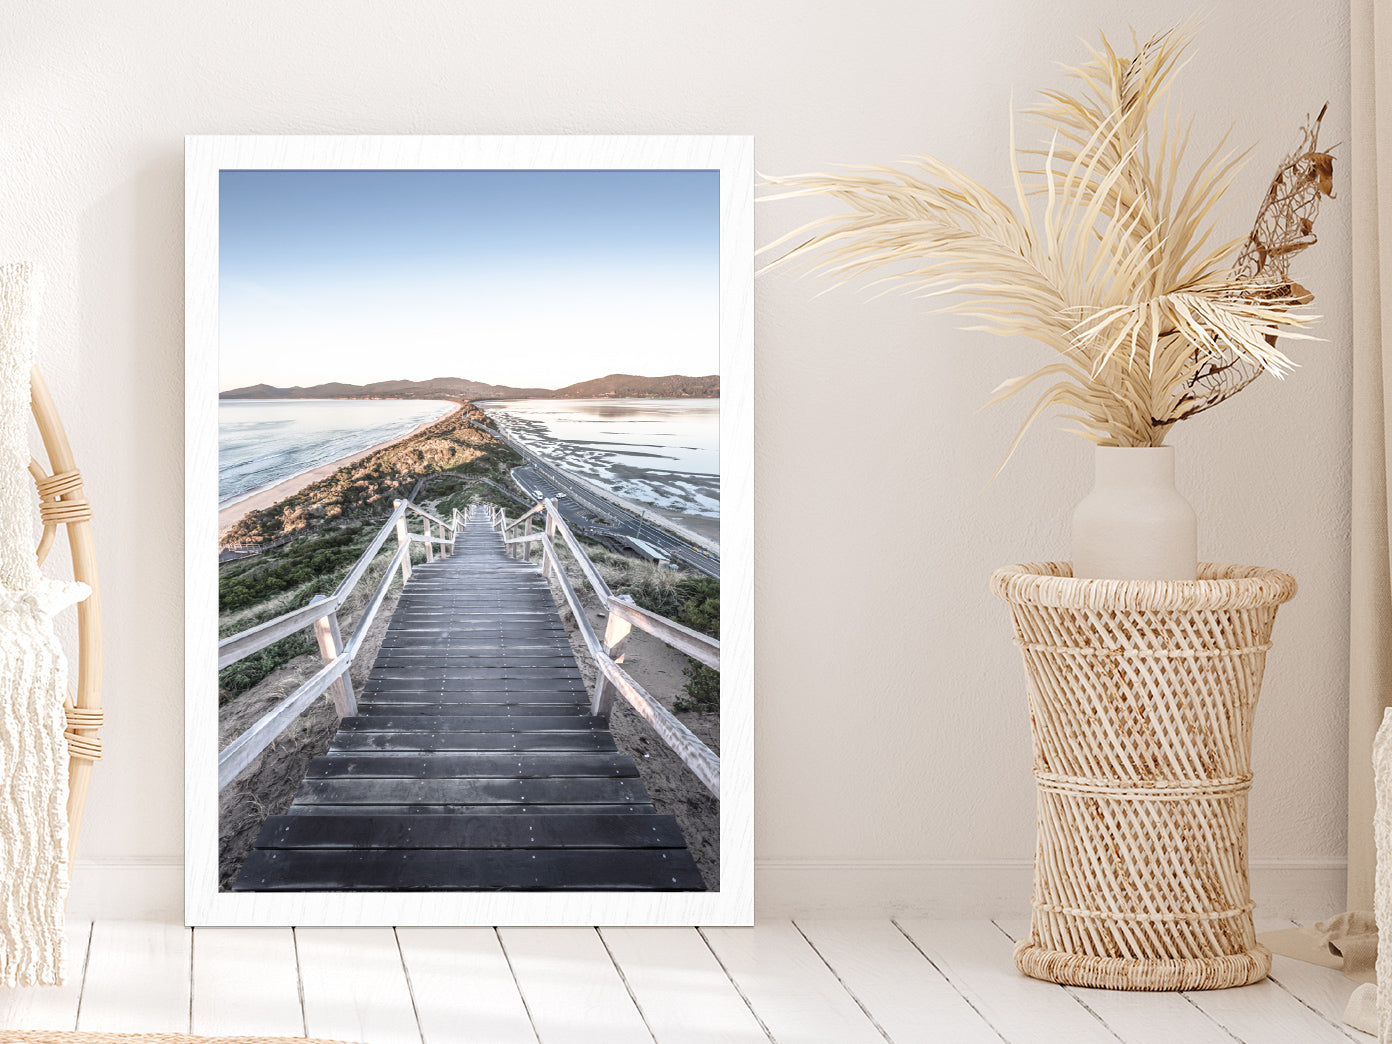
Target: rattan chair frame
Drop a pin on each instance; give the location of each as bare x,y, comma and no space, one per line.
63,502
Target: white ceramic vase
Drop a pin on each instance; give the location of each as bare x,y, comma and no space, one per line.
1134,525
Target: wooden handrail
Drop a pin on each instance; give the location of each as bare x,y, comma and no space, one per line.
700,647
541,506
684,743
373,604
321,614
596,581
572,599
242,644
239,646
420,538
243,750
350,581
694,754
412,506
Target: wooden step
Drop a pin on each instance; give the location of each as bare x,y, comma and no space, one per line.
474,766
577,869
473,832
582,791
471,723
604,808
575,739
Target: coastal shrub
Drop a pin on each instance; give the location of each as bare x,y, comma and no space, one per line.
317,562
702,689
701,612
460,502
701,609
237,678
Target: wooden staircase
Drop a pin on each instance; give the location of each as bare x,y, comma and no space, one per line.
473,761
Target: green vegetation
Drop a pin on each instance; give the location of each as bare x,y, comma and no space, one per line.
237,678
701,612
313,565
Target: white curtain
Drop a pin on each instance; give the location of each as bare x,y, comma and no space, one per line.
1370,669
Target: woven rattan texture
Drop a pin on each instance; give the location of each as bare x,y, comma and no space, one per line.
1141,698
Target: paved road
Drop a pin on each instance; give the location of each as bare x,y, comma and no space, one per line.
596,516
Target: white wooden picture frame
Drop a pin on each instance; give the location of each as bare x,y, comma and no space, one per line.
206,158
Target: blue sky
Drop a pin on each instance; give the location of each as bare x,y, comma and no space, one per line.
527,278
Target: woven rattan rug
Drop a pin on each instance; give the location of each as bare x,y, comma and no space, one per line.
60,1037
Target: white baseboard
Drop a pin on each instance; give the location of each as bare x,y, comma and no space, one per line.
127,890
1303,890
791,888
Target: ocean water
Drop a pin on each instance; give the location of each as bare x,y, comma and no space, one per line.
663,453
265,441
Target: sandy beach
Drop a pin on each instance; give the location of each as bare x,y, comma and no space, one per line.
264,498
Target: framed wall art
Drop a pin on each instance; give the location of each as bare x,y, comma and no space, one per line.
469,530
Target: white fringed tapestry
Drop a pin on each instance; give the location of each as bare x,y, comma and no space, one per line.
33,681
1382,886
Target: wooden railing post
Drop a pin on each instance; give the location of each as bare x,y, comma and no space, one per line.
616,632
429,542
550,535
403,537
330,641
527,548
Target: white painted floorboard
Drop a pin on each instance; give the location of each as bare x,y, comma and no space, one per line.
681,989
1315,987
138,978
463,987
977,957
573,991
908,998
354,986
818,981
791,989
1325,993
247,983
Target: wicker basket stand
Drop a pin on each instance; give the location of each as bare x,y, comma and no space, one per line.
1141,696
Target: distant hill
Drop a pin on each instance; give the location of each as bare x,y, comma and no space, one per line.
614,386
627,386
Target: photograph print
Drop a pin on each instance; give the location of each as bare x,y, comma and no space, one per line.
466,596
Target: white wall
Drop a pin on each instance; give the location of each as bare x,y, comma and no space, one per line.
892,739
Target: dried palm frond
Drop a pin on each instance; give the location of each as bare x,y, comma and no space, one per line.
1119,273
